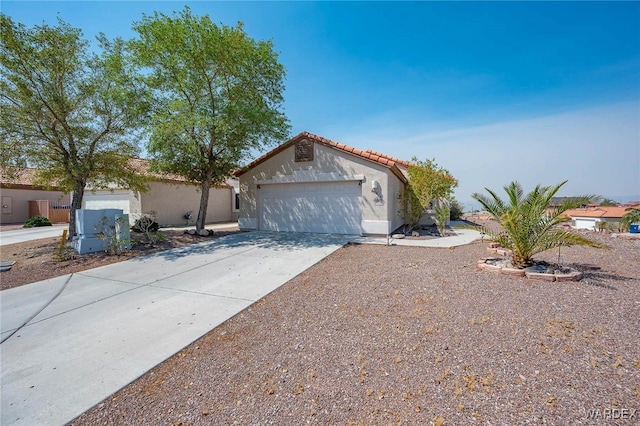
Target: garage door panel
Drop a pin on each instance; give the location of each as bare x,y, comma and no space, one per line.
116,200
320,208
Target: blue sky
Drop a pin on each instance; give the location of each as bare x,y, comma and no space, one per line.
538,92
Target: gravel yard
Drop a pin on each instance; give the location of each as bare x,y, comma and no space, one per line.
407,335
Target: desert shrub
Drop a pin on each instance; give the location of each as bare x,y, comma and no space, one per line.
456,210
145,224
113,244
441,207
36,221
148,226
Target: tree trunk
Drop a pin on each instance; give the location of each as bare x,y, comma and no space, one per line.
76,203
204,202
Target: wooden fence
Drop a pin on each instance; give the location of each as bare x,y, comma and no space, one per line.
56,213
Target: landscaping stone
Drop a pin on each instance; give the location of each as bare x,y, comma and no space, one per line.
512,271
503,252
540,276
540,271
570,276
489,267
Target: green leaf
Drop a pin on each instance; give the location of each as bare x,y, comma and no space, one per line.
217,96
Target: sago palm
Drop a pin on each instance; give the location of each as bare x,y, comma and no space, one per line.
529,224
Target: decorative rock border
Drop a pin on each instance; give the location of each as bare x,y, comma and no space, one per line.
500,265
497,249
530,273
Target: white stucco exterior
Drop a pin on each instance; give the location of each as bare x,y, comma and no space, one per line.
330,193
590,223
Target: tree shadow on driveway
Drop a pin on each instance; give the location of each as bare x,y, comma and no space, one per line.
277,241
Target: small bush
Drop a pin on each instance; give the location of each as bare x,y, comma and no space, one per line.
113,243
36,221
145,224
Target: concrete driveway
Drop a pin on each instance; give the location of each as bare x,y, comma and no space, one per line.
28,234
112,324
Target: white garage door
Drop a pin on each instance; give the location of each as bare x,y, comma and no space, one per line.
107,200
582,223
326,208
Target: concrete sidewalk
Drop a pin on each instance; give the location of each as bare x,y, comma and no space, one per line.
462,237
112,324
21,235
28,234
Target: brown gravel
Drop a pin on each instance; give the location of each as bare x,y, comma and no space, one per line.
37,260
405,335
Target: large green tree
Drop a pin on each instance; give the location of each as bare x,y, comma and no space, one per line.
218,96
67,111
528,224
427,182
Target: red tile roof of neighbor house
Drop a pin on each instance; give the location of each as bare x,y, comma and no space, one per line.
393,163
23,179
143,166
26,178
601,211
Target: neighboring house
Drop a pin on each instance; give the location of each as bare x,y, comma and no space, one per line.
312,184
593,218
22,198
169,196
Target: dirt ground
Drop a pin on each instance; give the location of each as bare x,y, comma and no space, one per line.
39,260
379,335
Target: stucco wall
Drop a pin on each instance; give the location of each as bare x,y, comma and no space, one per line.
375,216
171,201
592,223
396,188
17,210
125,200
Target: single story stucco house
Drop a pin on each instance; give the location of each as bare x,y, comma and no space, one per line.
312,184
22,198
169,196
592,218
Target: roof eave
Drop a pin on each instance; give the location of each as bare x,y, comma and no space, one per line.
389,163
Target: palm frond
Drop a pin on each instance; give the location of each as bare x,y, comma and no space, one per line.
514,191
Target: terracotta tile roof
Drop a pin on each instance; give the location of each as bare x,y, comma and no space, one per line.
143,166
385,160
397,161
603,212
23,179
26,177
